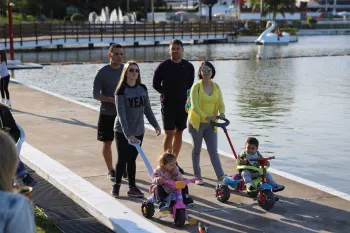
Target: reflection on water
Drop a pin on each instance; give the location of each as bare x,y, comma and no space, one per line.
306,46
298,108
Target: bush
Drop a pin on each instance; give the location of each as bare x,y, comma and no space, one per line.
252,24
291,31
296,23
311,21
77,17
66,19
251,32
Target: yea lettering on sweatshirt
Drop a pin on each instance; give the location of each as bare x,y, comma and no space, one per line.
132,104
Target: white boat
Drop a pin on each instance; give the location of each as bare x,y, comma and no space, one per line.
272,38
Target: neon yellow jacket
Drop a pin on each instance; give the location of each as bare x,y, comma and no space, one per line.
195,113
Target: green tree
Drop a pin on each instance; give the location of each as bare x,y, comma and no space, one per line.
273,6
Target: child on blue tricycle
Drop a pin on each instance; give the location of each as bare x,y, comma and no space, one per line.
248,161
252,175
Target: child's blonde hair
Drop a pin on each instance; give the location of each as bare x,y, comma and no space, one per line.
8,161
166,158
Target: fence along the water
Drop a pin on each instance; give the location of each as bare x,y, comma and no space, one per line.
36,31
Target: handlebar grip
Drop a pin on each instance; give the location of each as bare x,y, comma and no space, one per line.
221,125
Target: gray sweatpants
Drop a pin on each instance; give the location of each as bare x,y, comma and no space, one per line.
248,176
207,132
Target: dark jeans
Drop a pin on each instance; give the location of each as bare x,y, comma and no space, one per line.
21,170
161,194
127,155
4,87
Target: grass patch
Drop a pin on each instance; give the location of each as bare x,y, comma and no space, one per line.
44,224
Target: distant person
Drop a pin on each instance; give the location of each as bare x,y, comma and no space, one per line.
133,103
206,104
172,78
4,79
105,83
279,34
8,125
16,211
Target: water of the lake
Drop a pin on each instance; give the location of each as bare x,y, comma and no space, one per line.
298,108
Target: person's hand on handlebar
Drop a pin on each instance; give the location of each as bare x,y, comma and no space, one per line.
210,118
133,139
222,116
245,161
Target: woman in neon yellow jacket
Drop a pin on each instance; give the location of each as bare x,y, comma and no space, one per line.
206,103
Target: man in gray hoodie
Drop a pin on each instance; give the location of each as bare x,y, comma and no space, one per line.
105,83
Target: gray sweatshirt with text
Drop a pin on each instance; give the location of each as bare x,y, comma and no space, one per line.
132,104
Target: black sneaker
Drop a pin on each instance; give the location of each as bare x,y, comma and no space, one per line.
29,180
111,175
135,192
180,169
189,202
278,188
115,190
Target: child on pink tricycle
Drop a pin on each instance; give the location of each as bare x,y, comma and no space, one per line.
167,171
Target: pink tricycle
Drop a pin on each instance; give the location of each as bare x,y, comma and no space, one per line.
174,202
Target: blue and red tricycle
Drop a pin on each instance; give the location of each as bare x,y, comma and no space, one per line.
235,184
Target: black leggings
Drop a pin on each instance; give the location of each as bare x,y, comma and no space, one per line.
161,194
127,155
4,87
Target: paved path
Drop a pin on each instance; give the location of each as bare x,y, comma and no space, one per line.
67,133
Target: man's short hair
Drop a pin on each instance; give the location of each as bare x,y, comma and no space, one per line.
114,46
176,42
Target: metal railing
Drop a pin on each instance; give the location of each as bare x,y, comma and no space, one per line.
36,31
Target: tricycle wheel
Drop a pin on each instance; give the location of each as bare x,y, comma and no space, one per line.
222,192
180,218
147,209
253,194
267,201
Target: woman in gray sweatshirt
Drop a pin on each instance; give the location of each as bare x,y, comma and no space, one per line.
16,211
132,103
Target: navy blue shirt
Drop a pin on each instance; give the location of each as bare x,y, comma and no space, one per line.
172,80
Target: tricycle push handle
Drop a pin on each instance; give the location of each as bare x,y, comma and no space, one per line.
221,125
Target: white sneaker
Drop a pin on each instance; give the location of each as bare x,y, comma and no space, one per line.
199,182
8,103
3,101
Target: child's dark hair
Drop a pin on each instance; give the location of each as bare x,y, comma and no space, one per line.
252,141
166,158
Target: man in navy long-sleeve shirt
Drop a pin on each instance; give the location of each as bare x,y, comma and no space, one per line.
172,78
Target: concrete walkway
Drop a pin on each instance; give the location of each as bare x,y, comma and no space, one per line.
67,133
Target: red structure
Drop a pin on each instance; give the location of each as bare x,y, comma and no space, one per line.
9,6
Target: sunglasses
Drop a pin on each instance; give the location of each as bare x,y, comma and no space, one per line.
132,70
206,70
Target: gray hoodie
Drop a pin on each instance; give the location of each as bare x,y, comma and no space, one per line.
16,214
132,103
